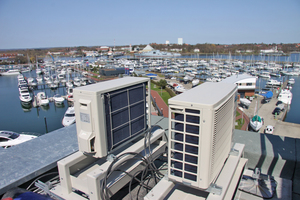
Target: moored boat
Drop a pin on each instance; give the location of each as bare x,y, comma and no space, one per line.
291,81
58,99
9,138
285,96
69,117
272,82
245,102
10,72
41,98
256,123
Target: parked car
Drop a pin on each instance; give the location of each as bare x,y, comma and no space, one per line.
276,111
269,129
265,100
278,102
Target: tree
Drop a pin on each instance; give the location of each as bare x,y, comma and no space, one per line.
162,83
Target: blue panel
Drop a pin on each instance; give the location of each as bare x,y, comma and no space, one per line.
191,139
192,129
137,110
193,119
120,117
118,100
191,159
191,149
190,168
125,114
190,176
120,134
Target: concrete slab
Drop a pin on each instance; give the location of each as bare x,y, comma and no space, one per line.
265,111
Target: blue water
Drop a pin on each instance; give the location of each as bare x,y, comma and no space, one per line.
15,117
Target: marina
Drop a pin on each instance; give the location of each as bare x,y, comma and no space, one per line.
185,70
41,114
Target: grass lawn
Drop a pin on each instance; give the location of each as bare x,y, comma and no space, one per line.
163,93
240,123
237,114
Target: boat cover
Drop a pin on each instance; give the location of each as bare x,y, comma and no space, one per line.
268,95
256,118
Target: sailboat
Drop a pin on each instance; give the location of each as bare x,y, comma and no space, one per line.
256,121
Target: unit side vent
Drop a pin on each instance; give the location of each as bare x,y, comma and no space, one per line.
222,124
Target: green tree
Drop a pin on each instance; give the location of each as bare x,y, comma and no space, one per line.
162,83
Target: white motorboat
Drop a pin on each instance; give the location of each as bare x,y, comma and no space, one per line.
38,71
245,102
58,99
285,96
60,76
272,82
179,89
10,72
53,86
41,98
195,82
265,75
9,138
69,84
33,83
46,77
39,79
25,95
20,77
291,81
76,79
69,117
256,123
77,83
30,80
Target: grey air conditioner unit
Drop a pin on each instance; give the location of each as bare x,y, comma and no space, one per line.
110,113
201,124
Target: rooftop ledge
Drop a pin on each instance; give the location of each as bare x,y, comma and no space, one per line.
276,155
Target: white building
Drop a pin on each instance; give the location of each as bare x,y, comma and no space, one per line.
180,41
167,42
246,84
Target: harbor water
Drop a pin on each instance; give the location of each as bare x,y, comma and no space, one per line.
19,118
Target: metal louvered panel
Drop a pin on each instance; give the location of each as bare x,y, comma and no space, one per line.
200,133
221,126
184,143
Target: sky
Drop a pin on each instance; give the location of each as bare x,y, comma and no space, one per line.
70,23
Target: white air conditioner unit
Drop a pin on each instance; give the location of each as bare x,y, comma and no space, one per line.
201,124
111,113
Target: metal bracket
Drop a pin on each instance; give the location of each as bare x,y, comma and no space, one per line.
110,157
213,188
234,152
46,188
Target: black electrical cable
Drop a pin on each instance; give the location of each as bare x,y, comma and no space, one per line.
147,160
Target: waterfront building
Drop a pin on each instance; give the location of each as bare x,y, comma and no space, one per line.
246,84
180,41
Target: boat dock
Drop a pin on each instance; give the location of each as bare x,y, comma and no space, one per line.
265,111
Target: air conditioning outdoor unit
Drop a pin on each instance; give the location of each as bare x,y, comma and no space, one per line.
111,113
201,123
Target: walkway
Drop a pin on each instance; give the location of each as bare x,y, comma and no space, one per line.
246,119
160,103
